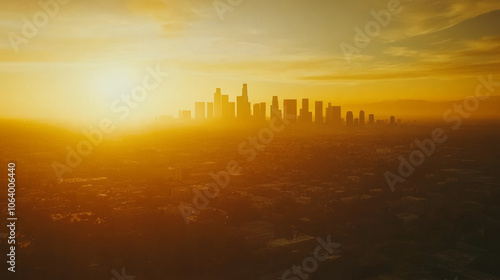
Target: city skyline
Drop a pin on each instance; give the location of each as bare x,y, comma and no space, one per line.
221,109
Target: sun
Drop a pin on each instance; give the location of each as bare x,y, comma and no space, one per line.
112,83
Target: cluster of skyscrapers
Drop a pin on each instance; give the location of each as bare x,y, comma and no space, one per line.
222,109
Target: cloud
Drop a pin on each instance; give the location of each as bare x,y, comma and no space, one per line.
400,51
426,16
455,71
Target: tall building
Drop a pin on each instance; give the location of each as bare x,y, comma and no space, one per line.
305,115
275,108
231,114
217,104
243,106
329,114
361,117
371,119
257,112
290,110
318,112
225,107
210,110
199,111
185,115
337,116
349,119
392,121
263,110
334,115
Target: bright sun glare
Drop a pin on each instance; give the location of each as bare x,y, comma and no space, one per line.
113,83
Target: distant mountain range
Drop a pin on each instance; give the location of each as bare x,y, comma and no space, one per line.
421,109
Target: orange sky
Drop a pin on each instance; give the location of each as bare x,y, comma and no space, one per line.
89,53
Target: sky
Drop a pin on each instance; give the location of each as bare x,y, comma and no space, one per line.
86,55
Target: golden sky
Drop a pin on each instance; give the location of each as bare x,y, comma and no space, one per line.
91,52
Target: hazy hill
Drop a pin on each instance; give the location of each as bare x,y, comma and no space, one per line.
421,109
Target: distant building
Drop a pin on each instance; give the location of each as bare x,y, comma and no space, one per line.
275,108
305,115
318,112
361,117
263,110
334,115
356,122
243,106
392,121
218,104
231,111
210,110
259,112
371,119
226,111
199,111
256,112
329,114
337,116
185,115
290,110
349,119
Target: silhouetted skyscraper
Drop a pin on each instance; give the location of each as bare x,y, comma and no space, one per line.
349,119
231,111
263,110
257,114
329,114
337,116
243,104
371,119
244,90
210,110
305,115
225,107
275,108
334,115
318,112
199,111
361,117
217,104
290,110
392,121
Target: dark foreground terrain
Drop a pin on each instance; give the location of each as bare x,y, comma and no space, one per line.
119,207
